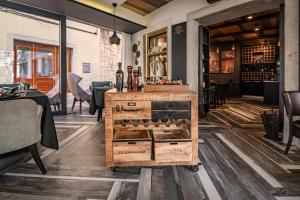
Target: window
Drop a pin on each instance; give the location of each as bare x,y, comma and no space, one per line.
37,64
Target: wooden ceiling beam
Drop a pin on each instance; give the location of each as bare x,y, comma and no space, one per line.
136,9
155,3
144,7
244,20
247,39
244,32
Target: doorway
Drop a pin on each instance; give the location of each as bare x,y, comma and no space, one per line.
239,57
38,64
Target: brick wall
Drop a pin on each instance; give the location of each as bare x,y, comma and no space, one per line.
110,56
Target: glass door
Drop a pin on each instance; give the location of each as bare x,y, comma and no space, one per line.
23,66
46,66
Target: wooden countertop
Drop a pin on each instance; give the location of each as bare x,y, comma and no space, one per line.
114,90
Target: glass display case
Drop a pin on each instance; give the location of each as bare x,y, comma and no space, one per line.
156,56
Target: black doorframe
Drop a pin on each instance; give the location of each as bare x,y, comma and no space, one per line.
282,68
63,43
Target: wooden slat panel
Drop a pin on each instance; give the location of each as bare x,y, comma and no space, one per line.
144,7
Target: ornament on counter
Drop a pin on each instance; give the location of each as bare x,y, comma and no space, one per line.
129,78
135,80
119,78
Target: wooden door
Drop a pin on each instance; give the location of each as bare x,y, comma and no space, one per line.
36,64
46,66
23,65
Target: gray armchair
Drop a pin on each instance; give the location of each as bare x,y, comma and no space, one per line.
20,122
291,101
79,94
53,94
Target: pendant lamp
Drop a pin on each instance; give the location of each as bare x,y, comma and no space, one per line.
114,40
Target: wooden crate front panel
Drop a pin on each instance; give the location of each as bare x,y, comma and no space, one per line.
132,151
173,151
166,88
131,110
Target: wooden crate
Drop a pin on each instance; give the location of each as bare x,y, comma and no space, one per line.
134,145
173,145
166,88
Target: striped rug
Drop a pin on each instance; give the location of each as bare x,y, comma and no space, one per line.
240,114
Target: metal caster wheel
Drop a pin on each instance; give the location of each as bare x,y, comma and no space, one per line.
194,168
115,169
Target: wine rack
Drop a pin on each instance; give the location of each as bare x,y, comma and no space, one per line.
151,128
267,51
203,71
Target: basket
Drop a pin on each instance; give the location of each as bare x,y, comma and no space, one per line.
271,124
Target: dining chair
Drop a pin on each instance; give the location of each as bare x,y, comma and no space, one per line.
17,133
54,95
229,88
98,89
78,92
292,105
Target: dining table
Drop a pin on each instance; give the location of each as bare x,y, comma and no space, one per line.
97,98
48,131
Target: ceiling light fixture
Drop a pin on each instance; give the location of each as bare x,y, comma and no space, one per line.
250,17
114,39
257,27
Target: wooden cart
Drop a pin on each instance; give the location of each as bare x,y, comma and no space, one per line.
151,128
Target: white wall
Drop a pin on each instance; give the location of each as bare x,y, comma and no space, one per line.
85,44
176,10
86,48
291,53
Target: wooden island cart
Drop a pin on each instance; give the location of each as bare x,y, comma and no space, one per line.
151,128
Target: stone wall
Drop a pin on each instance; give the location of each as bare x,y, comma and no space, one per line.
110,56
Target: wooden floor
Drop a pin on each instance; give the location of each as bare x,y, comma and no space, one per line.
236,163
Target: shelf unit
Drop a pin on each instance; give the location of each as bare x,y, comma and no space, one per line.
151,128
203,71
156,55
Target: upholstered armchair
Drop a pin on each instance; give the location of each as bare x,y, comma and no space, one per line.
20,122
292,105
79,93
53,94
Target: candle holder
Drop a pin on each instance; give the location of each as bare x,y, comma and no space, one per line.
129,78
135,80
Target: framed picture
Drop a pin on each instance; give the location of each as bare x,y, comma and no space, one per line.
214,62
86,67
227,62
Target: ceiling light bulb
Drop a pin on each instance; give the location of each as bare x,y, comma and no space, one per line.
256,29
250,17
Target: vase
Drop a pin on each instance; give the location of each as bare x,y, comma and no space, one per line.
119,78
129,78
